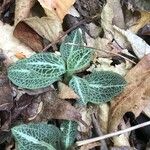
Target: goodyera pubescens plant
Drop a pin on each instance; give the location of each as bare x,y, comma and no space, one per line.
43,69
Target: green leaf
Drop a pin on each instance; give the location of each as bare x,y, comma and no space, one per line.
75,37
69,131
40,70
76,57
39,136
79,60
98,87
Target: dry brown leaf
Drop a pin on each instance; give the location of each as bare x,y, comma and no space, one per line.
109,16
6,94
55,108
10,45
86,117
90,146
47,27
22,9
20,55
144,19
140,47
139,70
60,7
27,35
65,92
136,95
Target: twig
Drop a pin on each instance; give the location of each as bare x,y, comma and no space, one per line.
99,132
97,49
63,34
80,143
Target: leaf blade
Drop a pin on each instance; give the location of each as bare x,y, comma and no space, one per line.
38,71
36,136
69,131
98,87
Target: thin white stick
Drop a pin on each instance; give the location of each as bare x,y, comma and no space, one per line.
80,143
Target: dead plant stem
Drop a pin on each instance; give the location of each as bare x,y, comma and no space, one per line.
84,142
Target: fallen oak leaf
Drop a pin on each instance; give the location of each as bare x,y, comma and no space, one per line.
47,27
60,7
135,96
22,9
55,108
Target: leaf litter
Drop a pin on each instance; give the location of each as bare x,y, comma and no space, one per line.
82,74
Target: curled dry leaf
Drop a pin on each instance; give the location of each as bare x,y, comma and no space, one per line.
27,35
60,7
65,92
135,97
10,45
47,27
22,9
109,16
140,47
55,108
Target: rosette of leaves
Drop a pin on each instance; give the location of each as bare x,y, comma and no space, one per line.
69,131
39,136
98,87
43,69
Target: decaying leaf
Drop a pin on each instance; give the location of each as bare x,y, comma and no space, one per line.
144,19
6,101
6,94
22,9
60,7
90,146
55,108
140,47
104,64
47,27
135,96
65,92
138,4
110,17
10,45
27,35
86,117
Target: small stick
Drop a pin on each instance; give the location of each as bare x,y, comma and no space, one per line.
97,49
84,142
63,34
